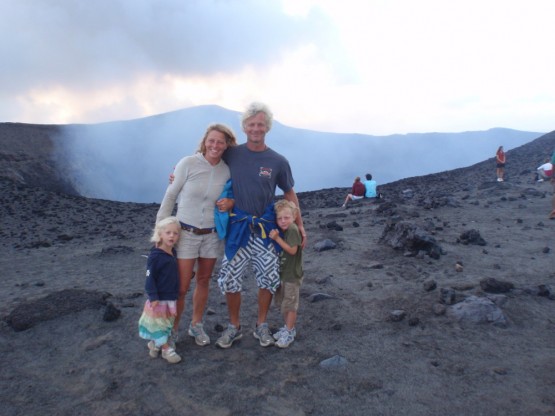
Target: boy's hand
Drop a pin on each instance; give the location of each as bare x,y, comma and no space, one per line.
154,304
274,234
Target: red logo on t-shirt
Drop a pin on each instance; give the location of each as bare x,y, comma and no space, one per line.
265,172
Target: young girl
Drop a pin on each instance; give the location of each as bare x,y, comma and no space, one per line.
162,288
291,271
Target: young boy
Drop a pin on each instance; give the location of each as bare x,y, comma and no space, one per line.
291,270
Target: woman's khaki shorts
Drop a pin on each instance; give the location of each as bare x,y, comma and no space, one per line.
192,246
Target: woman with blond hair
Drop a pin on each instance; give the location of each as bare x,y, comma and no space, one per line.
198,182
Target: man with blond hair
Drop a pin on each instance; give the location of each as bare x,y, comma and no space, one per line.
256,171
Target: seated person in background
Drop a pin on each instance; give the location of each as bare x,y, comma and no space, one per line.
544,171
357,192
371,187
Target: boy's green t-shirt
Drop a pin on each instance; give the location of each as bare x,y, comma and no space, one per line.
292,266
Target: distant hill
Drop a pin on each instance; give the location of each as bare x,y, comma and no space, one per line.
130,160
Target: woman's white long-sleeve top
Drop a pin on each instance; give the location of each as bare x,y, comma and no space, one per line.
196,188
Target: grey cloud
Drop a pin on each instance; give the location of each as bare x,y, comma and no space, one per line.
81,42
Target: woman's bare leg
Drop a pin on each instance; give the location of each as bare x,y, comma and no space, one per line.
200,295
185,267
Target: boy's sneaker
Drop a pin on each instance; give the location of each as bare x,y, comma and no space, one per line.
230,335
278,333
263,335
197,332
170,355
286,338
153,350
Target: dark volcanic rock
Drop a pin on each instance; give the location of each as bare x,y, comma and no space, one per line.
472,237
546,291
111,313
478,310
447,296
324,245
318,297
429,285
409,237
492,285
57,304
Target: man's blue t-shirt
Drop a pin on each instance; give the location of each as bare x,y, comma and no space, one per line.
255,176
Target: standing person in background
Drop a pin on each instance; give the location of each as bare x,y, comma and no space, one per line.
500,161
357,192
552,214
198,181
371,187
256,171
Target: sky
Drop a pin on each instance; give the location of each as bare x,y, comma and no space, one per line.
375,67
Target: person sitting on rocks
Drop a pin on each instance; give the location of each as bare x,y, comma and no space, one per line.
371,187
357,192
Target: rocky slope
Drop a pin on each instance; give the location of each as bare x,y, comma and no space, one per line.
436,300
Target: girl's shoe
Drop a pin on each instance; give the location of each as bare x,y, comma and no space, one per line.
153,350
170,355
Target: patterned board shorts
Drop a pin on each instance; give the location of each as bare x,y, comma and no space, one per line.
263,260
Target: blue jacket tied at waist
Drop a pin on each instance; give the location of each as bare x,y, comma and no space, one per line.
240,225
221,219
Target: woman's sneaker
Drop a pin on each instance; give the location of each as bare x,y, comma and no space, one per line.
263,335
153,350
286,338
197,332
230,335
170,355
